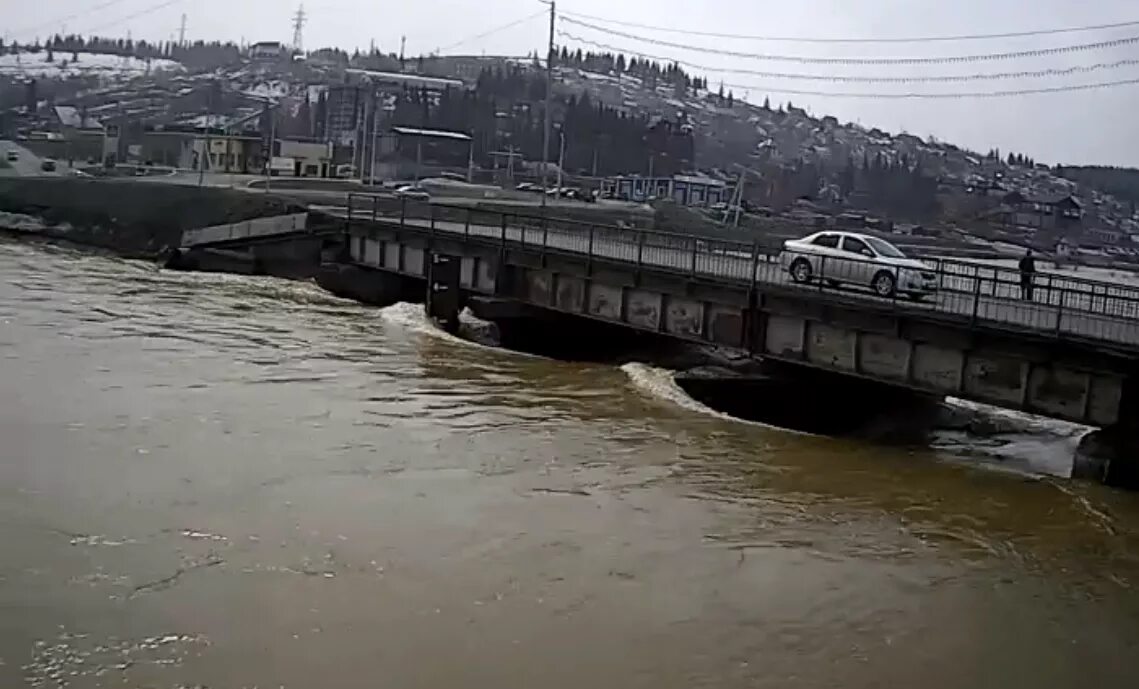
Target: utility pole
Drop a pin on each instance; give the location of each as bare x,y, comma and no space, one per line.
205,155
375,137
269,105
561,158
471,160
549,104
360,136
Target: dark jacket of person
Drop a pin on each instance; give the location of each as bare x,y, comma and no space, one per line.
1027,266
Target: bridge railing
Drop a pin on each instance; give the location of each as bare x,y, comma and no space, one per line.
1053,304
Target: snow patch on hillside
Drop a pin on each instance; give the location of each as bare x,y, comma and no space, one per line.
110,67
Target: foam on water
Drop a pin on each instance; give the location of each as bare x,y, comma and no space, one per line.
1027,444
412,317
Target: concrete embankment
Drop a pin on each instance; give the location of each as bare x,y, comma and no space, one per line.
135,219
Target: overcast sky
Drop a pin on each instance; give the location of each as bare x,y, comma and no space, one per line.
1095,127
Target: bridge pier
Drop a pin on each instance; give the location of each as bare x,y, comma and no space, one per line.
1111,454
814,401
444,299
541,331
372,287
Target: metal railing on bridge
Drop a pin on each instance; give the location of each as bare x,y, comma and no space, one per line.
1051,304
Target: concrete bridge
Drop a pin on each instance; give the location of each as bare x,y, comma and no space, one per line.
1069,353
291,245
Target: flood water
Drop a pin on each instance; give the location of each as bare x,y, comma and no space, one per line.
244,482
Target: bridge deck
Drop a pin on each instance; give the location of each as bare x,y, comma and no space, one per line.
1061,306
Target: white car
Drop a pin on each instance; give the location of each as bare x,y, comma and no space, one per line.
839,258
412,192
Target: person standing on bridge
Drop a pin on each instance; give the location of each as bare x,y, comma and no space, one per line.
1027,275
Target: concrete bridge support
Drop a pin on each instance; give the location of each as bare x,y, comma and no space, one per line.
444,298
369,286
806,399
1111,454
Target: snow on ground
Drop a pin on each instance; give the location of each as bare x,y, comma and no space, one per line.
88,64
269,89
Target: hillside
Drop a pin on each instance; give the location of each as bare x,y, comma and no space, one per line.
616,116
1120,182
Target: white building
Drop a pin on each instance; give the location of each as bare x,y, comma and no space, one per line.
302,158
686,190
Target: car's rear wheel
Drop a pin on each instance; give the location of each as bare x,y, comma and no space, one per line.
884,284
801,270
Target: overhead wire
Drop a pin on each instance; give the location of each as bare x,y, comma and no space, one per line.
909,39
493,31
62,20
841,78
805,59
939,96
140,13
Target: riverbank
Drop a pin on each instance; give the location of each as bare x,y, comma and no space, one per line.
133,219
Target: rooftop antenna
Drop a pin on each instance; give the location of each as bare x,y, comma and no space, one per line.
299,21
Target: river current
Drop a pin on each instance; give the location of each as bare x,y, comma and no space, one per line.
223,481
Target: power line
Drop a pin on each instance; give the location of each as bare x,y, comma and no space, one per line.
802,59
74,15
140,13
491,32
839,78
940,96
913,39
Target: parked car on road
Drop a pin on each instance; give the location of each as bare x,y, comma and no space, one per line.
847,258
13,156
48,165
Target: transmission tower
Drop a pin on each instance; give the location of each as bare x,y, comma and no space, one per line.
299,21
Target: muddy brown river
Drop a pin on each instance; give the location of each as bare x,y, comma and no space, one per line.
232,482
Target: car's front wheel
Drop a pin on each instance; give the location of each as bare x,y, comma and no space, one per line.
801,270
884,284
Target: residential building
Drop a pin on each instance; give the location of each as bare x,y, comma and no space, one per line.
267,51
1102,235
1063,214
686,190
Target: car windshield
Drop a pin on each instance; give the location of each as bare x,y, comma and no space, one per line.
884,248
